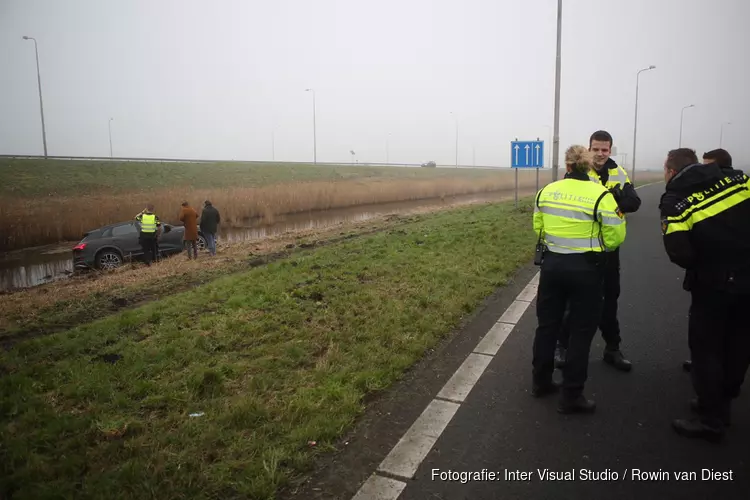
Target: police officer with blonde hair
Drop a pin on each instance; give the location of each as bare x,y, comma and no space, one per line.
577,221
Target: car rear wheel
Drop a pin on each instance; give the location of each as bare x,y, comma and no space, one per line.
201,243
108,259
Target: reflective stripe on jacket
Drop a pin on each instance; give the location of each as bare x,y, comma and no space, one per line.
577,216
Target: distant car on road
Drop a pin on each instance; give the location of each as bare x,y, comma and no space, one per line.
430,164
110,246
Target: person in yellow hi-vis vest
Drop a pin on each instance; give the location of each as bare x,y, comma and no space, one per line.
613,177
577,222
149,233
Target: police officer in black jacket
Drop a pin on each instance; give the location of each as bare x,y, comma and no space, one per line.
705,215
722,159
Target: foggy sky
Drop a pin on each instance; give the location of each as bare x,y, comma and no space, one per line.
190,79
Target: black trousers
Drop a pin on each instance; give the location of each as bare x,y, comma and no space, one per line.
719,339
609,325
575,280
150,247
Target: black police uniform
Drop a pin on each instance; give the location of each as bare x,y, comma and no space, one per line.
629,202
706,225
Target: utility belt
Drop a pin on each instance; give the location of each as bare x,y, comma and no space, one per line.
596,259
731,281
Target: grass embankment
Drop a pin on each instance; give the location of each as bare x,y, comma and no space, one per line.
47,202
89,296
274,358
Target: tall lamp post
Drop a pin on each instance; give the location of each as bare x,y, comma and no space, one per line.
556,134
721,137
387,149
315,133
39,84
110,136
635,126
682,117
456,119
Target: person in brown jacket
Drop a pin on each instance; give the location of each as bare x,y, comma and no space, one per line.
189,217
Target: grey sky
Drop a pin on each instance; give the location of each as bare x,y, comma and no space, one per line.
213,79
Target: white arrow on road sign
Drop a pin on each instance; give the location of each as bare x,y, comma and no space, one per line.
527,154
516,154
537,154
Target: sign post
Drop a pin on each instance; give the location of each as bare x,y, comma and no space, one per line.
526,154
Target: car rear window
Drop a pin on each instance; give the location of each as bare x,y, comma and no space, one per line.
91,235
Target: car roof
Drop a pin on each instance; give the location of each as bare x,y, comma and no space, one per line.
109,226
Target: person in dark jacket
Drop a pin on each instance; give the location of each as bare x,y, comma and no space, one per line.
722,159
612,176
705,220
210,220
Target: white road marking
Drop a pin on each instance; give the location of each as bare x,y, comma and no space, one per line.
514,312
494,339
528,293
406,457
460,384
380,488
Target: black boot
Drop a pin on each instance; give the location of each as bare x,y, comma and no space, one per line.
696,428
576,405
560,355
544,389
616,359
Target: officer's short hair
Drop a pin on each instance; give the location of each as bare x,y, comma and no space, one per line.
601,135
579,158
720,156
677,159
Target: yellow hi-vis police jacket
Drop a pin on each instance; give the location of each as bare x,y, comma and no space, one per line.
617,176
575,215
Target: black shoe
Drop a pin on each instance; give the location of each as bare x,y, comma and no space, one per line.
695,407
560,355
577,405
616,359
695,428
687,365
541,390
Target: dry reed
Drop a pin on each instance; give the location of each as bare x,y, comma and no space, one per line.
26,222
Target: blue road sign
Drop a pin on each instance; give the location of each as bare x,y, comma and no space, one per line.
527,154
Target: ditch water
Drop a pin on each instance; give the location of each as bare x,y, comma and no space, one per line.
35,266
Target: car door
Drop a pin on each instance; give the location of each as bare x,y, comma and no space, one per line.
125,237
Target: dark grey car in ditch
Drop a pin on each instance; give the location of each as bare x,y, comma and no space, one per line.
110,246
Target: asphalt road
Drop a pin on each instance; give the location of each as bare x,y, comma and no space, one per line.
500,427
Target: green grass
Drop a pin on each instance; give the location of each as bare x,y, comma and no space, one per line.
274,357
30,178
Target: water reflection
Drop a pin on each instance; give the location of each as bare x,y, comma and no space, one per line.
33,267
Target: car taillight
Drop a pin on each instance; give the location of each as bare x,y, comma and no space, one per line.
81,246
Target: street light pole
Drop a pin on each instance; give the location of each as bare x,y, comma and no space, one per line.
387,150
109,123
556,135
548,148
682,117
39,84
635,126
315,133
273,145
456,119
721,137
